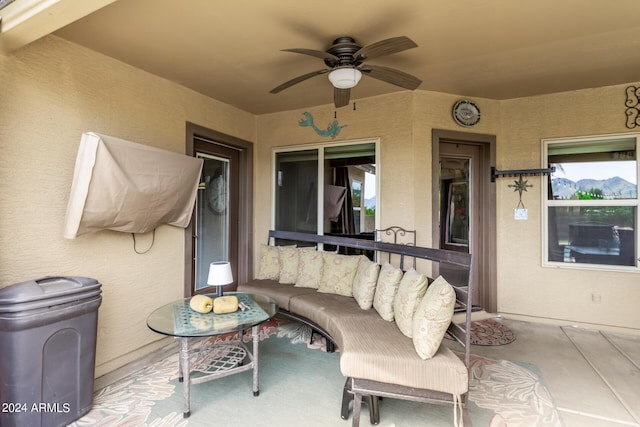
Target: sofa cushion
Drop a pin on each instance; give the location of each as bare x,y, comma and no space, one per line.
377,351
410,292
309,269
282,294
269,263
432,317
329,310
288,260
364,282
386,289
337,273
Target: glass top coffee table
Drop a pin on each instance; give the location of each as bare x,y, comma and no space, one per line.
221,359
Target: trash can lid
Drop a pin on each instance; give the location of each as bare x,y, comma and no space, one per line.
50,290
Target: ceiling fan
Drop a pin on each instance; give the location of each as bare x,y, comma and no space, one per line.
345,59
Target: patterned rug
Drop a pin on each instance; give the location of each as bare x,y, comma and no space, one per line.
502,393
489,332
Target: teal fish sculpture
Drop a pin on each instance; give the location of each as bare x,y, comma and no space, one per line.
332,130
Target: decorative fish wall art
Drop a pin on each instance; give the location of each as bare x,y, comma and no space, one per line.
332,130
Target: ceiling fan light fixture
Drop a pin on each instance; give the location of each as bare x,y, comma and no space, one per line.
345,78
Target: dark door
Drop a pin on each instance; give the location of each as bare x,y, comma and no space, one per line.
464,213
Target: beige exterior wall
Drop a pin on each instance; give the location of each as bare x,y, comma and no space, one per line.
388,118
404,123
524,286
52,91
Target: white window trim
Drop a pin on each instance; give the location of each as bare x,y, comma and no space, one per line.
550,203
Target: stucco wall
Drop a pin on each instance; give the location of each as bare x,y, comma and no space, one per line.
388,118
404,122
52,91
593,297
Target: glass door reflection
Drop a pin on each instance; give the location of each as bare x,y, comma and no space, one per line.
212,216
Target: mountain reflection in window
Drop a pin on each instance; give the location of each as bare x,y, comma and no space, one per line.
592,202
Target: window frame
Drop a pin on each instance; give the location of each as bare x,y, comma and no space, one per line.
546,203
321,146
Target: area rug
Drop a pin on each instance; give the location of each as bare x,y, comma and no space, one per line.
489,332
502,393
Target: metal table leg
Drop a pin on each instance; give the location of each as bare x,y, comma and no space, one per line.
185,373
256,340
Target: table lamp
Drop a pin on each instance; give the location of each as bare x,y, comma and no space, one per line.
219,275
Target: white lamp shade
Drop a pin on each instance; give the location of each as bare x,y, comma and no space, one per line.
220,273
345,78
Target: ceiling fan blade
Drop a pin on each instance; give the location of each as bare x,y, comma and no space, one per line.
391,75
384,47
326,56
297,80
341,97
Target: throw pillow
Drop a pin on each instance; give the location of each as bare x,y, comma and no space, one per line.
364,282
410,292
288,258
337,273
269,262
309,269
386,289
432,318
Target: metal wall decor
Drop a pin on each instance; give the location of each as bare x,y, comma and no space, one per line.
633,106
521,185
332,130
495,173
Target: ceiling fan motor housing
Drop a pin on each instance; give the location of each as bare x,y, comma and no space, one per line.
344,48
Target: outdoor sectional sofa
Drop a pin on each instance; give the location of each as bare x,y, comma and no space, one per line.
387,324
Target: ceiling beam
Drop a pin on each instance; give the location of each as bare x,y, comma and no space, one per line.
25,21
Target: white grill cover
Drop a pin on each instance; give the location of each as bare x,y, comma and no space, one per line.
123,186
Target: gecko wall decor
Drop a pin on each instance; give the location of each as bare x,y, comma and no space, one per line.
332,130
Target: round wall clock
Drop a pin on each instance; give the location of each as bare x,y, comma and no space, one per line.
217,195
466,113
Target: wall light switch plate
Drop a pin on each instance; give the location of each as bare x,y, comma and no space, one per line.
520,214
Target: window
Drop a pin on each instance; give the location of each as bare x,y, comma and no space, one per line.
591,202
343,203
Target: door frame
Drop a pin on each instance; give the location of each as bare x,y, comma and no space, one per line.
245,212
486,260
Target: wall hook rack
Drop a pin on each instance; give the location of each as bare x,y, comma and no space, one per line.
495,173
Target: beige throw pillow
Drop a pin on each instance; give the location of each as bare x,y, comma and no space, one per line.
364,282
309,269
269,262
337,273
288,258
410,292
432,318
386,289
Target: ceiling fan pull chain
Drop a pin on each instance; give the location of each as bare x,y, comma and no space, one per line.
354,105
335,114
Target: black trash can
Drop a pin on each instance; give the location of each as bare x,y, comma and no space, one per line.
48,333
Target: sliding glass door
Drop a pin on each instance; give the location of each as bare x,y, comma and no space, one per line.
326,189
